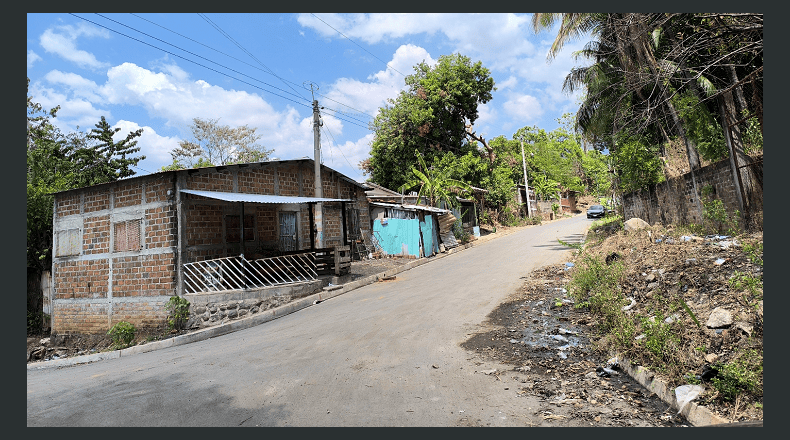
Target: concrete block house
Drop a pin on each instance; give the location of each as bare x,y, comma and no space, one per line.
122,249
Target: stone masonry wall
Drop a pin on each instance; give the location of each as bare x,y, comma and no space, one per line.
675,201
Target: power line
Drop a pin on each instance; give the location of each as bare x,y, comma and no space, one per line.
349,39
191,53
338,147
252,65
194,62
216,26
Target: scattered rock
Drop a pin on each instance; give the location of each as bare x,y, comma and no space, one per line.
635,224
719,318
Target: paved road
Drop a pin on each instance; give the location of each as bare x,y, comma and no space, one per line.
365,358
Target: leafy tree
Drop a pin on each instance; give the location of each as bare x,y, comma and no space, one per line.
100,159
435,185
434,115
216,144
638,165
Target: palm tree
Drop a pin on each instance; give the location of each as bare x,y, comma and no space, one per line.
435,184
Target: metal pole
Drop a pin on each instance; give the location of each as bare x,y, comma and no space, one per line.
526,182
319,239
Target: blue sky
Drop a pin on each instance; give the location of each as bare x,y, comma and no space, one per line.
252,69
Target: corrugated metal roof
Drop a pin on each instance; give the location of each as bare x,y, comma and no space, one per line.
258,198
411,207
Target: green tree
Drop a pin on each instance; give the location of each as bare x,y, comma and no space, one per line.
435,185
214,144
435,114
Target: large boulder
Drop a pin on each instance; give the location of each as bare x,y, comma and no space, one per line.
636,224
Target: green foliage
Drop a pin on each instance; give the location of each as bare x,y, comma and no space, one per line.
743,373
213,143
701,127
576,246
430,115
606,222
177,312
435,185
688,310
754,252
122,334
555,208
715,215
658,336
753,135
534,220
637,162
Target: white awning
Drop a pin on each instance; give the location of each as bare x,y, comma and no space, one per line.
411,207
258,198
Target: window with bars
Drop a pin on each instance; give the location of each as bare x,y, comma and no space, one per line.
69,242
128,236
232,232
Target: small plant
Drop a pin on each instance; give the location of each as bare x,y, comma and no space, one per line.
555,208
754,252
177,312
534,220
744,373
741,281
557,302
658,335
576,246
122,334
715,214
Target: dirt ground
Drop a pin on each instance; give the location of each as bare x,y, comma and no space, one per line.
553,356
557,351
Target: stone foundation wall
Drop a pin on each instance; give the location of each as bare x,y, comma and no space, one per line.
210,309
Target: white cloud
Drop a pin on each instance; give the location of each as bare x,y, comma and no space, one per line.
73,112
32,57
508,83
346,156
524,108
61,40
80,86
369,96
155,147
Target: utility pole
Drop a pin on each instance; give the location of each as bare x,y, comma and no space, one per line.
318,217
526,182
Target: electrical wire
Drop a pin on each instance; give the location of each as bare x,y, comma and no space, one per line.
191,53
221,31
338,147
253,66
194,62
349,39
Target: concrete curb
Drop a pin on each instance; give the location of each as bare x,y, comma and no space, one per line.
243,323
696,415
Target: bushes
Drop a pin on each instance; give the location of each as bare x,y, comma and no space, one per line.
122,334
177,312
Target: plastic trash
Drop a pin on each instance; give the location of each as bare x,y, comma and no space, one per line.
685,238
642,336
613,362
564,331
560,338
628,307
719,262
514,341
604,372
562,355
686,393
658,240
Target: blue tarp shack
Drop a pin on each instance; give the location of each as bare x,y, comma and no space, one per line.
406,230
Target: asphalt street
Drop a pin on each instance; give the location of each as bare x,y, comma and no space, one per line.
386,354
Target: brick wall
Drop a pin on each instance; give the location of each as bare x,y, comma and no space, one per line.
675,201
82,279
144,275
96,235
100,286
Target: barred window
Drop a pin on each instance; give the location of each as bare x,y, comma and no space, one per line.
232,232
128,236
69,242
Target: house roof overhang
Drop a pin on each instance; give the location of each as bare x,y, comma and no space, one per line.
258,198
411,207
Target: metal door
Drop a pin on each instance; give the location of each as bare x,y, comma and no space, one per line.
287,231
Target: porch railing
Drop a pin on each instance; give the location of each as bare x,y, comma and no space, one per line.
233,273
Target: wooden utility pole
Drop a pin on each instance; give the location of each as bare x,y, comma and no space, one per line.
318,217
